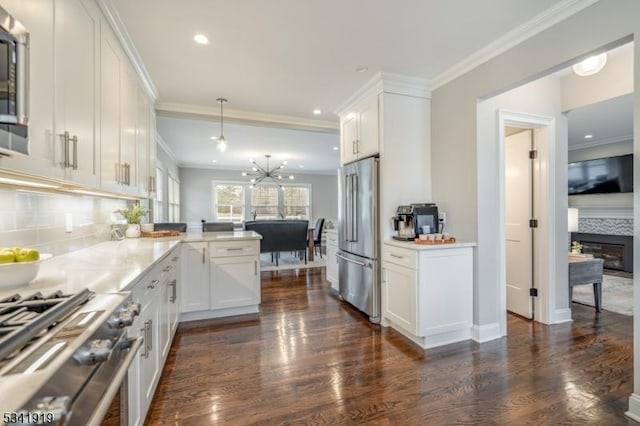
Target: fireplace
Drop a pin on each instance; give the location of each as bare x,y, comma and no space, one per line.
615,250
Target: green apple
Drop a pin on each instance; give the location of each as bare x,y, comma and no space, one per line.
27,255
7,256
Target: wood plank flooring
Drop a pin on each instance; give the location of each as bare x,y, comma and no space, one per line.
309,359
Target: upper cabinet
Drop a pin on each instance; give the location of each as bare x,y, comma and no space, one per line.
90,121
77,77
360,133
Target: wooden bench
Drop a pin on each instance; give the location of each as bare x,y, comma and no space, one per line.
586,271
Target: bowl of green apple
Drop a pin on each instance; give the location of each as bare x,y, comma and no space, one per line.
19,266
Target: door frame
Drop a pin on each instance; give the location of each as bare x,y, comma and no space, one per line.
544,256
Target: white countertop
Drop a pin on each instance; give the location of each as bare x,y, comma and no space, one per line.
413,246
112,265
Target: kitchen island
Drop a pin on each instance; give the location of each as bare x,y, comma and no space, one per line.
427,291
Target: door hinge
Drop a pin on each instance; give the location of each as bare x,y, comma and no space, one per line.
533,292
533,154
533,223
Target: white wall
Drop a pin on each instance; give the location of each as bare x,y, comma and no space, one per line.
466,190
196,195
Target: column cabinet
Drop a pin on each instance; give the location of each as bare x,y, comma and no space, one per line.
360,131
332,258
195,288
427,292
77,77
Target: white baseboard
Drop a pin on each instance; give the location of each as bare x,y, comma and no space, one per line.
218,313
562,315
634,407
486,332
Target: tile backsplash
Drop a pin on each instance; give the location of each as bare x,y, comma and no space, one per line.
607,226
38,220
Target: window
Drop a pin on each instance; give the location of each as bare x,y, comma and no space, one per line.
158,213
173,195
296,202
264,202
228,202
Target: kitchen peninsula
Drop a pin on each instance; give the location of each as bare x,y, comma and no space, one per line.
166,276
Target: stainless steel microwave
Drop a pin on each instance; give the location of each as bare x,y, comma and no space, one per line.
14,76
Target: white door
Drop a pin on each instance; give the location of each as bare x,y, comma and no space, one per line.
519,208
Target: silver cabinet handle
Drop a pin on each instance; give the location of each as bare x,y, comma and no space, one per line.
173,284
364,265
235,248
147,344
396,256
167,268
74,139
255,268
127,174
174,258
153,284
203,255
65,139
353,147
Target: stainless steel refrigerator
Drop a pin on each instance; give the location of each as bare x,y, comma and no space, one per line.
358,235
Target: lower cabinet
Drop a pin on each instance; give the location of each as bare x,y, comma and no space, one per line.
220,278
332,258
156,292
427,293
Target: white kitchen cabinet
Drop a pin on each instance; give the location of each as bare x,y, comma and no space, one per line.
195,284
128,122
111,168
331,244
145,147
427,292
360,131
77,62
235,281
169,301
44,149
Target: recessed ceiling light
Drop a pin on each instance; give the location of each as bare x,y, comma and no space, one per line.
317,112
362,68
591,65
301,166
201,39
214,138
589,136
335,148
213,161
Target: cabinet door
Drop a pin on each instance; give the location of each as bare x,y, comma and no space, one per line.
399,287
163,324
133,374
332,266
110,167
349,138
152,153
44,150
369,131
77,26
195,288
149,356
142,144
235,281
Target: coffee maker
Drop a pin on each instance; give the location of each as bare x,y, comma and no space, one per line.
415,219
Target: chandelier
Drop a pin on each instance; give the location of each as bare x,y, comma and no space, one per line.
260,173
222,142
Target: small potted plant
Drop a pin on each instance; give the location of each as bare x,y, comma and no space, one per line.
576,247
133,216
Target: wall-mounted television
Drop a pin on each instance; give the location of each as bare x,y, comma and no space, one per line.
601,175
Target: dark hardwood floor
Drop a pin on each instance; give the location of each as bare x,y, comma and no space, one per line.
309,359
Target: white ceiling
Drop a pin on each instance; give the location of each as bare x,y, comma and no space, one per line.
606,121
288,57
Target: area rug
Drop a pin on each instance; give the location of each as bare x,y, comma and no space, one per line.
289,261
617,294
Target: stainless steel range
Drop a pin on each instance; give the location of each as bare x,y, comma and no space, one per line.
63,357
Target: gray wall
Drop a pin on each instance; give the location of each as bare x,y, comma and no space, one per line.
196,195
466,191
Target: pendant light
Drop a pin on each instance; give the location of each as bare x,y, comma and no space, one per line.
222,142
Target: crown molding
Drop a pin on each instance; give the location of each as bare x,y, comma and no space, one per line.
536,25
600,142
162,144
387,82
120,30
240,170
198,112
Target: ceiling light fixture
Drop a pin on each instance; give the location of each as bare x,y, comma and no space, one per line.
201,39
317,112
589,136
591,65
335,148
222,142
262,173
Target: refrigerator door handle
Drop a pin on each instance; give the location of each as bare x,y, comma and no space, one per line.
364,265
347,208
354,207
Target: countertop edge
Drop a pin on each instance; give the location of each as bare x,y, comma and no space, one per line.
413,246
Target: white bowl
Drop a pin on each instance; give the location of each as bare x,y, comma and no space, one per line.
19,273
